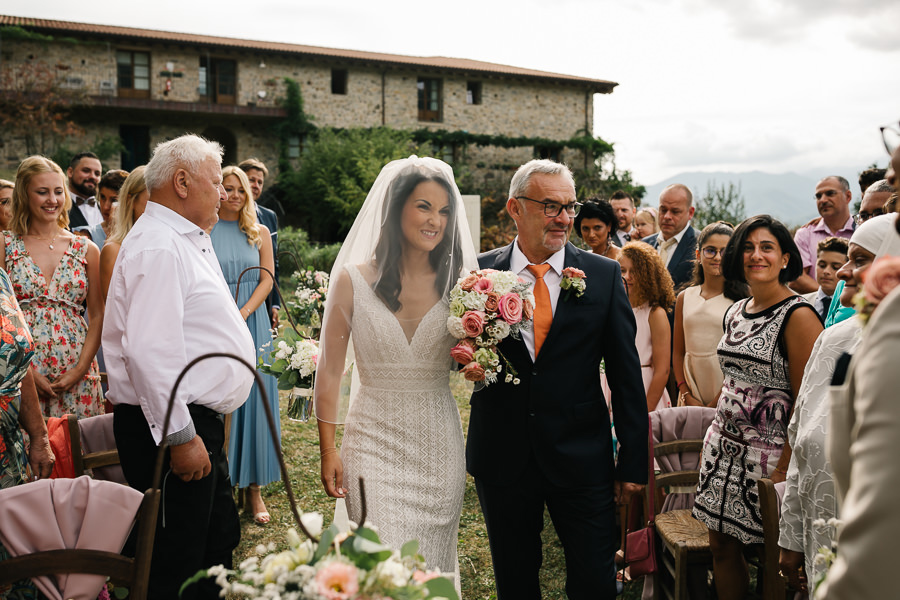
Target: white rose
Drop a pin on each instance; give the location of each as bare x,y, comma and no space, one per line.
393,572
313,523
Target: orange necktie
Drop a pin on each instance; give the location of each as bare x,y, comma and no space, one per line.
543,310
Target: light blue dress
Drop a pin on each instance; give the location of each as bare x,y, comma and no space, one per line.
251,453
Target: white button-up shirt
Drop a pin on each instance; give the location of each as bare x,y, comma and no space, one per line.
91,213
168,303
518,264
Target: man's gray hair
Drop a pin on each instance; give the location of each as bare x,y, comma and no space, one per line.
879,186
187,152
683,188
520,181
845,185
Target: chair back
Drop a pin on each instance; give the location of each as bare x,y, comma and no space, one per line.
94,448
678,434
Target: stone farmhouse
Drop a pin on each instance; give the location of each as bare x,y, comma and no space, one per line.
144,86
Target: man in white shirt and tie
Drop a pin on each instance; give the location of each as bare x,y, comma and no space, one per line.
168,303
676,241
84,174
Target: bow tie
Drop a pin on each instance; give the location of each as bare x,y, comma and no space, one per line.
89,201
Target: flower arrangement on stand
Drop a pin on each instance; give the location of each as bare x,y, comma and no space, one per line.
340,566
307,302
293,361
486,306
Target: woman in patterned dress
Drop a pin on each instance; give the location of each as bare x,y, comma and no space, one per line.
53,273
767,342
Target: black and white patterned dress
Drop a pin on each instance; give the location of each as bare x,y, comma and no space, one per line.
745,441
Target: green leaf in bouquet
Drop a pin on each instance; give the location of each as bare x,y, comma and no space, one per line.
284,382
279,365
441,587
291,336
369,534
198,576
325,543
293,377
410,548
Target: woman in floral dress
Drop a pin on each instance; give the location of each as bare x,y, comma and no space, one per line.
767,342
53,273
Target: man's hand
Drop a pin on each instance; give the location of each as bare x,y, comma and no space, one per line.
624,490
274,318
190,461
793,568
40,457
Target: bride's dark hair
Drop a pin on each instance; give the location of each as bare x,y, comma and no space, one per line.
445,262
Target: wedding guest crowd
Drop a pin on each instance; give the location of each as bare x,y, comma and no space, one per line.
789,337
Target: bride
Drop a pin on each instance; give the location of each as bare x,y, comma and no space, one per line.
387,311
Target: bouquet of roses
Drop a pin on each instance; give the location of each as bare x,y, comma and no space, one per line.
486,306
341,566
308,300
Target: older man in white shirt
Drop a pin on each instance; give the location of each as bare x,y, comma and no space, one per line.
168,303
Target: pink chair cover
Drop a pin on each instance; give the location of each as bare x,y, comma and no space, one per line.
57,514
680,423
96,436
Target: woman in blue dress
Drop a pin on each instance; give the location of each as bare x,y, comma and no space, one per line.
241,242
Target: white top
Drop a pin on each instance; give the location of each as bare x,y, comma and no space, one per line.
660,241
518,264
91,213
168,303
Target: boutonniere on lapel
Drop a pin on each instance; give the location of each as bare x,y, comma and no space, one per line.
573,282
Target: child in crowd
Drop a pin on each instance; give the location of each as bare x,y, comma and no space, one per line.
831,254
645,223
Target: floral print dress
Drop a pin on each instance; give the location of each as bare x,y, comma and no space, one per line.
53,310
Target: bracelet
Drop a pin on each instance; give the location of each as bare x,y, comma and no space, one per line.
782,471
328,451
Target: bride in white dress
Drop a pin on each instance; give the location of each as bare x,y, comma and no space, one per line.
386,322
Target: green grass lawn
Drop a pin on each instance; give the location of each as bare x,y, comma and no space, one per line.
300,442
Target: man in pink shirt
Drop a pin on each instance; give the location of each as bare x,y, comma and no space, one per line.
833,199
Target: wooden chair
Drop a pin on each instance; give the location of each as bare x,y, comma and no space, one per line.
93,448
684,556
770,583
131,573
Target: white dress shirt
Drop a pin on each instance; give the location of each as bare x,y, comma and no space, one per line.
673,247
168,303
91,213
518,264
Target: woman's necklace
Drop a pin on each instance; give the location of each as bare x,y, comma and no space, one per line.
51,240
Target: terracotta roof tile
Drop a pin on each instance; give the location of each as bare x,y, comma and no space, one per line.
436,62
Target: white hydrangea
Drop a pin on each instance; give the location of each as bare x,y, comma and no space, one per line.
455,327
393,572
473,300
503,281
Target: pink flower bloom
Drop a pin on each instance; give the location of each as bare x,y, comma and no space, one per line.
527,310
882,277
510,308
337,581
573,272
473,322
491,302
423,576
468,282
463,352
473,372
484,285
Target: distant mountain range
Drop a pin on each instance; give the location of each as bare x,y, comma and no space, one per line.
787,196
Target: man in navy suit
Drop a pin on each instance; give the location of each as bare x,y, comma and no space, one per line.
84,174
257,172
547,441
676,241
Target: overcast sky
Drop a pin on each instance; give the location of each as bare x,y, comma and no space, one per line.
704,85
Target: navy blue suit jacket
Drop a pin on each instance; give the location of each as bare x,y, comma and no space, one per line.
681,267
558,413
268,218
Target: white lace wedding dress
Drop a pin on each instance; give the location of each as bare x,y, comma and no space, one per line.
403,433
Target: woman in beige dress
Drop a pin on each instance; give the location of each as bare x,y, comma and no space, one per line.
699,311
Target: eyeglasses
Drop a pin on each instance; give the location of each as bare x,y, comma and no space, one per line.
553,209
711,252
891,136
865,216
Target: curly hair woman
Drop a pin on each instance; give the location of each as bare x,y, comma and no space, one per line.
651,292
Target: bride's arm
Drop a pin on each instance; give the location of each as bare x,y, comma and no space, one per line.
330,368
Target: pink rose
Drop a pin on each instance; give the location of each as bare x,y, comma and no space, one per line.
527,310
882,277
473,323
491,302
337,581
422,576
573,272
473,372
510,308
484,285
468,282
463,352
